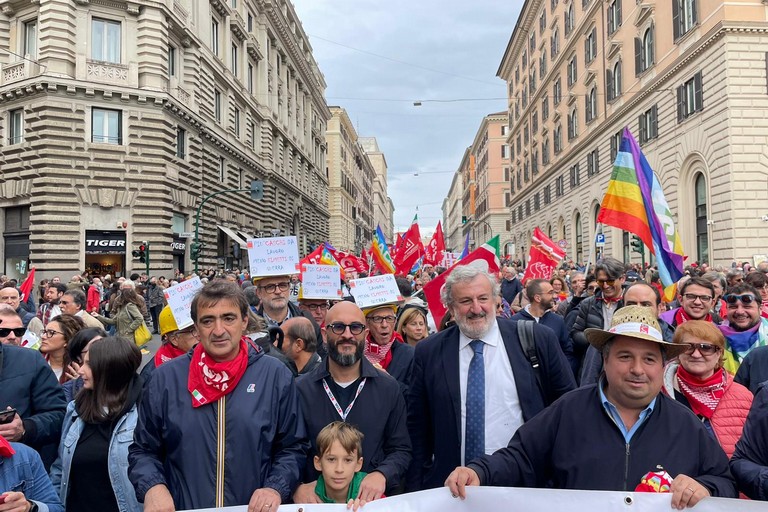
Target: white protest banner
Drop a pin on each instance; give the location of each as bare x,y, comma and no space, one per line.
321,282
179,299
449,259
530,500
277,256
372,291
30,340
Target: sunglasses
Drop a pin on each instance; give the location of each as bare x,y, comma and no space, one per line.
338,328
602,282
745,299
705,349
18,331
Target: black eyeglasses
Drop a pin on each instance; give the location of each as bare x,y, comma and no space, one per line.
390,319
338,328
18,331
48,333
315,307
706,349
692,297
745,299
270,288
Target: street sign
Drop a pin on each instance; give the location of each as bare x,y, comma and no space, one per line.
562,243
600,240
186,234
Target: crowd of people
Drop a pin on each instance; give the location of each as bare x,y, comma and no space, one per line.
588,380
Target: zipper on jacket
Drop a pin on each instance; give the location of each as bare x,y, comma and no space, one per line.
626,466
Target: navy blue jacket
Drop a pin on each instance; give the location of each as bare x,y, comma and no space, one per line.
379,413
509,289
401,365
753,370
575,444
175,444
29,385
749,463
434,401
557,324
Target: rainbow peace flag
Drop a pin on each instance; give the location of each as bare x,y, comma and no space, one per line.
635,202
381,254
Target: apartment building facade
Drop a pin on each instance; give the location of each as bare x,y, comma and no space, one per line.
689,80
453,210
117,118
352,180
383,207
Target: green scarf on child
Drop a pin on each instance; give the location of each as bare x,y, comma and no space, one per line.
354,488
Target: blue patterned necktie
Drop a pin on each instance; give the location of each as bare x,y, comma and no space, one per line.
474,441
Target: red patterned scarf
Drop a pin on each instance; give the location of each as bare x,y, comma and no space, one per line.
209,380
703,395
681,317
381,354
166,353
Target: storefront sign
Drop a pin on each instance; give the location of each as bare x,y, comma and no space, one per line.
178,246
104,242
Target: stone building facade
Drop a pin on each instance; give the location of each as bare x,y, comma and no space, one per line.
453,210
689,80
118,117
383,208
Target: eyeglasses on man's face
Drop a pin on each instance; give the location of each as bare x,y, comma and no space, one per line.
338,328
731,299
17,331
378,320
270,288
692,297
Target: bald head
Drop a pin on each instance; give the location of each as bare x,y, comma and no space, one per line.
300,329
346,311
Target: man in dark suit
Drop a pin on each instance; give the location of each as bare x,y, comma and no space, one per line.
472,385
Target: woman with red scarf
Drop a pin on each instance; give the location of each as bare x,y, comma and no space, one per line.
697,379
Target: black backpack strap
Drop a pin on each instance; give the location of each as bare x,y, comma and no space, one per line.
525,334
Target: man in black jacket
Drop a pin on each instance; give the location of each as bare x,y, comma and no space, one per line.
610,435
346,386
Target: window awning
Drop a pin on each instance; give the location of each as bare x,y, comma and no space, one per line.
245,236
234,236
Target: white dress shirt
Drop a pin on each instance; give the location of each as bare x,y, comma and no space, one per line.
503,415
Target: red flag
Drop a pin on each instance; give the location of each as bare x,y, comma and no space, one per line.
433,253
545,255
312,258
26,287
485,254
366,260
410,250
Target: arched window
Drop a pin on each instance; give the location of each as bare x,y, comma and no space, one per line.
702,229
579,241
617,79
648,48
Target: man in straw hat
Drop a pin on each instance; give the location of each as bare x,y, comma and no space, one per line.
611,435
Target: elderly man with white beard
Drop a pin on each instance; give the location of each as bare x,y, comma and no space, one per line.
473,382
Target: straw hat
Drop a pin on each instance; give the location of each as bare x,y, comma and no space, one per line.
637,322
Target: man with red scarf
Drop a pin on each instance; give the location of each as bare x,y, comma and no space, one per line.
385,348
696,297
244,440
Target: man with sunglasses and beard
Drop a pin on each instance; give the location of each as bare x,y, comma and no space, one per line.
347,387
11,327
746,336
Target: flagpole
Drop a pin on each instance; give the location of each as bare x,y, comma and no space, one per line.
591,251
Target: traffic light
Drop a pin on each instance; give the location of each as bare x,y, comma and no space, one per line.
463,219
195,250
637,245
142,252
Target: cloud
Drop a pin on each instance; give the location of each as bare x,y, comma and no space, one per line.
448,50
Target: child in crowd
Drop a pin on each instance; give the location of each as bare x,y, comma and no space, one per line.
339,460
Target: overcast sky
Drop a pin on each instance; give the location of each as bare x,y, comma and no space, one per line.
378,57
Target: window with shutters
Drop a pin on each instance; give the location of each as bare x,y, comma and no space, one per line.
690,98
536,202
543,22
528,207
684,17
590,46
614,16
555,44
590,104
648,123
520,212
592,163
517,74
569,20
16,126
532,81
506,174
559,186
527,171
613,81
535,163
553,4
526,134
518,143
615,144
525,96
504,151
557,92
532,42
535,122
511,151
525,59
574,176
584,4
573,124
545,151
519,179
572,71
644,53
545,108
558,138
543,65
548,194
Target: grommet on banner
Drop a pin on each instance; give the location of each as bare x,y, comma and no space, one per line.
628,500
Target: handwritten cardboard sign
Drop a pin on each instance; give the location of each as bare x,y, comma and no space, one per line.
277,256
376,290
179,299
321,282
